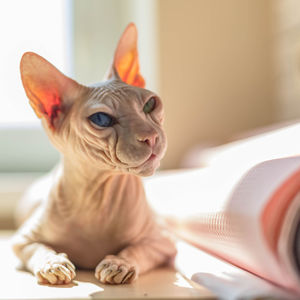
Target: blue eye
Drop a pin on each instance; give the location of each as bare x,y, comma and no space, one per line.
102,119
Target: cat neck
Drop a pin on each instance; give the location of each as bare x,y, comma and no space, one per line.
82,185
77,174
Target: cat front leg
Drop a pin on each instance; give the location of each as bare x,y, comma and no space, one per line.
138,258
48,266
45,263
116,270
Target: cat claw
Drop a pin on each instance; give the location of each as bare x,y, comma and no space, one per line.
57,269
115,270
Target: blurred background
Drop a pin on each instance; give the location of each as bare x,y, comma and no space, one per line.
222,68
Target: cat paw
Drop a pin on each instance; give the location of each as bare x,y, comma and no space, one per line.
115,270
57,269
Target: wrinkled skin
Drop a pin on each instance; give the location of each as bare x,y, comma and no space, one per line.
91,212
125,146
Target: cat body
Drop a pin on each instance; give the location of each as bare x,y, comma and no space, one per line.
91,211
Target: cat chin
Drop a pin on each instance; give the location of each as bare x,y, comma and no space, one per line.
147,173
144,173
147,169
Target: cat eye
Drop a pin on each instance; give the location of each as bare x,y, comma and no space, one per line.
102,119
149,106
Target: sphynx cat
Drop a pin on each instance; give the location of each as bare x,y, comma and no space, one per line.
91,210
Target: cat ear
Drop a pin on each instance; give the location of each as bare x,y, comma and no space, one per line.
49,91
126,62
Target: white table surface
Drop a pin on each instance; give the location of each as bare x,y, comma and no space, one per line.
163,283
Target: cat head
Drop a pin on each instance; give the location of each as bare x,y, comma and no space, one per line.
114,125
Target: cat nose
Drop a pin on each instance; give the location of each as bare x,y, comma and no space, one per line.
149,139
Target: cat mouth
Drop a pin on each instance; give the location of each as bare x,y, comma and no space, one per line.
151,163
152,157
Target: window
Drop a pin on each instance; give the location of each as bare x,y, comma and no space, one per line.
31,25
43,27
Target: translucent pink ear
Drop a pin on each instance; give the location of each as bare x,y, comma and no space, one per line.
46,87
126,60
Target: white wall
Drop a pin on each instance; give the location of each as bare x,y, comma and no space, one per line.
286,32
216,70
98,25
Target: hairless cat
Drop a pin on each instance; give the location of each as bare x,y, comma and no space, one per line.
91,210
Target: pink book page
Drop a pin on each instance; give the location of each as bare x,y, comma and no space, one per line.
225,280
235,213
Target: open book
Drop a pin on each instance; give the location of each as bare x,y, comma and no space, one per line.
244,207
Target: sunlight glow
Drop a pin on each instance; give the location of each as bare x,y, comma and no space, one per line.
221,277
31,25
181,282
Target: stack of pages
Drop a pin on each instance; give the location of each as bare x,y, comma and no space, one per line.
243,208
